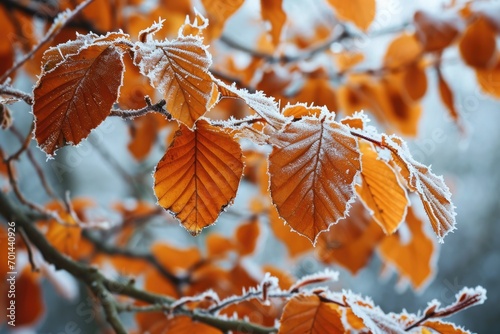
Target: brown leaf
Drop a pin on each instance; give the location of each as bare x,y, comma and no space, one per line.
350,243
312,169
29,299
489,80
402,51
307,314
400,251
359,12
415,81
295,244
198,176
478,44
272,11
435,32
380,190
75,96
218,11
444,327
179,70
447,97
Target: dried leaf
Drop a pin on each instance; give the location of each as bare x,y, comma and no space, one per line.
478,44
218,11
433,192
489,80
444,327
359,12
402,51
198,176
29,299
435,33
179,70
307,314
272,11
447,97
381,191
76,95
295,244
352,242
312,169
400,248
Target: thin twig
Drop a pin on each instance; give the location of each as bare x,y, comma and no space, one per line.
130,114
104,247
59,23
34,163
31,259
11,91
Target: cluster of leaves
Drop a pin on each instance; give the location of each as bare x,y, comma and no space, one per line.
331,177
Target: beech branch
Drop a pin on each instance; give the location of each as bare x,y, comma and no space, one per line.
103,287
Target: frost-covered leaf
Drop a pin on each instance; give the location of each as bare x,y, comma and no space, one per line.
372,316
312,169
76,95
309,315
359,12
400,251
179,70
199,174
444,327
380,190
325,276
433,192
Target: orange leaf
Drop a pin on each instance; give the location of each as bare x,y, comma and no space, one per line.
435,33
319,92
247,236
175,259
351,242
218,11
218,246
179,70
433,192
307,314
478,44
75,96
145,132
380,190
199,175
403,50
444,327
272,11
400,249
359,12
29,299
67,238
415,81
312,169
295,244
489,80
447,97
